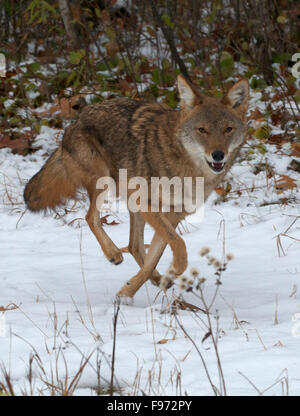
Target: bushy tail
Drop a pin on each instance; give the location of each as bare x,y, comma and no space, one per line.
51,185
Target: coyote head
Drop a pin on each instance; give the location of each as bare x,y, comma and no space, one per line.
210,129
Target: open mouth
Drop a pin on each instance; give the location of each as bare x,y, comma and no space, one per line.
216,166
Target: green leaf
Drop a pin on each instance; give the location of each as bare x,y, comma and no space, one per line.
172,99
76,56
245,46
44,122
297,97
101,66
168,21
155,76
281,58
262,132
111,33
35,66
262,149
226,57
50,8
37,127
32,87
154,90
282,20
166,63
227,64
151,31
257,83
211,17
71,77
217,93
14,121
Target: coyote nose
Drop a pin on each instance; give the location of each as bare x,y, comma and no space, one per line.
218,155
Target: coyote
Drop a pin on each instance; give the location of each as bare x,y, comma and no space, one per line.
201,139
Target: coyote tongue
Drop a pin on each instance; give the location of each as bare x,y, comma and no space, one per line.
216,166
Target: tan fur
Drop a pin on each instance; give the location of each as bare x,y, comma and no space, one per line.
51,185
148,140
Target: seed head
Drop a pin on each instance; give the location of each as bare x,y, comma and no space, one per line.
211,260
194,272
204,251
166,282
217,264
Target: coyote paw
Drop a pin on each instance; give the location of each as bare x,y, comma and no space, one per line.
126,294
115,256
155,278
180,264
125,300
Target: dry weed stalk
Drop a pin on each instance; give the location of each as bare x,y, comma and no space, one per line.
284,234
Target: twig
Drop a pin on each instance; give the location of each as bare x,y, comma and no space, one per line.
215,390
113,358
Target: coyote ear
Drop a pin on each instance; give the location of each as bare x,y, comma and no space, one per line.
186,93
238,96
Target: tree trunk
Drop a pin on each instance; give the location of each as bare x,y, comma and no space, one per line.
169,36
69,25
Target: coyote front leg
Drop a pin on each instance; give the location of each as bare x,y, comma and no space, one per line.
155,252
163,224
136,245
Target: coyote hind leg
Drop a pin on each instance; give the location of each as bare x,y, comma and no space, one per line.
136,246
111,251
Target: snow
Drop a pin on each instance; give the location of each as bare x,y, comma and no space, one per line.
56,273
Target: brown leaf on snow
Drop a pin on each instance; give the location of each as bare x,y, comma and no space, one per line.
104,220
163,341
276,118
10,307
277,139
255,115
222,191
296,149
277,97
18,142
65,107
181,304
294,165
285,182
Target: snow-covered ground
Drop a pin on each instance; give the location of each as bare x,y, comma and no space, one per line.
64,288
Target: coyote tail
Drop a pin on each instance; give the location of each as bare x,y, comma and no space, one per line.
51,185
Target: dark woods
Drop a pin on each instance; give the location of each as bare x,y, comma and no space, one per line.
257,32
136,48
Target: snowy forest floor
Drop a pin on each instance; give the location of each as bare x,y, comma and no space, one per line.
57,291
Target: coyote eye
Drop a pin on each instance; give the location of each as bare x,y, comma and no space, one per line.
202,130
228,129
